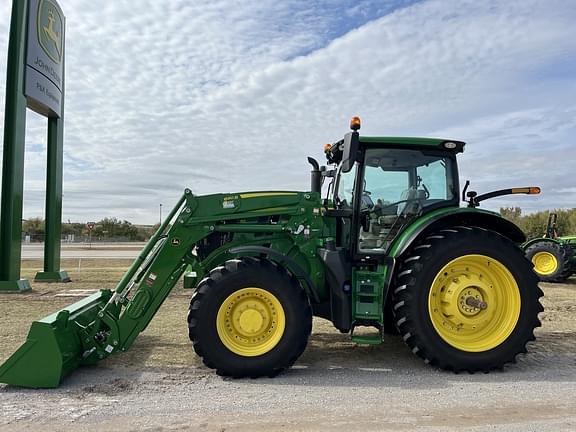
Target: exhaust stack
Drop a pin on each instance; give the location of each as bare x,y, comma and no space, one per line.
315,176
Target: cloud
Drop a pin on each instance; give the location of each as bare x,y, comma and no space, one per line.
523,148
234,95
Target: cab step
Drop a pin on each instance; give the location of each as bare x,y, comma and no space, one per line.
367,339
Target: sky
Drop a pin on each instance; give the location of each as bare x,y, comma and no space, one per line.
231,95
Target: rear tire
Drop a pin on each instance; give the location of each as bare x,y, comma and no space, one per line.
551,260
435,282
249,318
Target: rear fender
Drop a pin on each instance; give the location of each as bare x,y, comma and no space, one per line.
445,218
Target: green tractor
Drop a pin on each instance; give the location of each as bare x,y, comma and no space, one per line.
554,257
390,248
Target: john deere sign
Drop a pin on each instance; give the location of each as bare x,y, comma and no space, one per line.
45,57
35,80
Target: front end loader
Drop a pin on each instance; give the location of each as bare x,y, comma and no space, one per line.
388,248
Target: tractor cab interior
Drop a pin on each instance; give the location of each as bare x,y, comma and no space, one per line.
398,185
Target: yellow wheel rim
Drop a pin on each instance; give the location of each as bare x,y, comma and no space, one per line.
545,263
250,322
474,303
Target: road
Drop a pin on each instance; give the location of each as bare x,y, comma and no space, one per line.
81,250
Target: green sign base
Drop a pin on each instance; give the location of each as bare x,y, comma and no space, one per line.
49,276
20,285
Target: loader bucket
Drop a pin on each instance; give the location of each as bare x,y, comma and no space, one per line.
53,347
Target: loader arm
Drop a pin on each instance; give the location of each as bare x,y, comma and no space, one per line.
144,287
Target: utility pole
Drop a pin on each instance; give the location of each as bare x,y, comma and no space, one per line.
160,214
90,226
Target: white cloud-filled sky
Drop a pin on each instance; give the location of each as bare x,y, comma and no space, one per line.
232,95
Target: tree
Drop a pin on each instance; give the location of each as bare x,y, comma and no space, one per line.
113,228
511,213
34,227
534,224
107,229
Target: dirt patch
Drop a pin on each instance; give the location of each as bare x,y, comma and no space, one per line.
111,388
559,303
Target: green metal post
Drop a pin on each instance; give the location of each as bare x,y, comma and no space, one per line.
13,157
52,272
52,241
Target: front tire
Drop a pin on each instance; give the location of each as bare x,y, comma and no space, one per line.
466,299
249,318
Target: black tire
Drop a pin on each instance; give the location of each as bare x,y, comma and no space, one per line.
224,281
562,255
421,266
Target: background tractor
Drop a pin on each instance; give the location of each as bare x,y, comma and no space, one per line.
389,248
554,257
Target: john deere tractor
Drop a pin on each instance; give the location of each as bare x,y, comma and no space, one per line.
554,257
388,248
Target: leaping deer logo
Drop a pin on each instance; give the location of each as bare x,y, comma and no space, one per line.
50,33
50,29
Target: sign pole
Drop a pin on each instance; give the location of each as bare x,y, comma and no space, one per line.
13,157
52,272
52,242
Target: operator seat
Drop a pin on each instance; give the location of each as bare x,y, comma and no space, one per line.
413,199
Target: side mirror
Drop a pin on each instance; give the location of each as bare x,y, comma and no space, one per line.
350,150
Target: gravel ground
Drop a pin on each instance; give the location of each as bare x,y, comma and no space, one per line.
336,385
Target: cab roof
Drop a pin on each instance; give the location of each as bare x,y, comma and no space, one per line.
346,149
413,142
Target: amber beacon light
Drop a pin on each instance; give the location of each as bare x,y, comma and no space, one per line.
355,123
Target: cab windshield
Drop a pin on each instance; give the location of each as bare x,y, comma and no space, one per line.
397,185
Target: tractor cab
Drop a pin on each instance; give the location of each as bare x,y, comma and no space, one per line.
396,179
